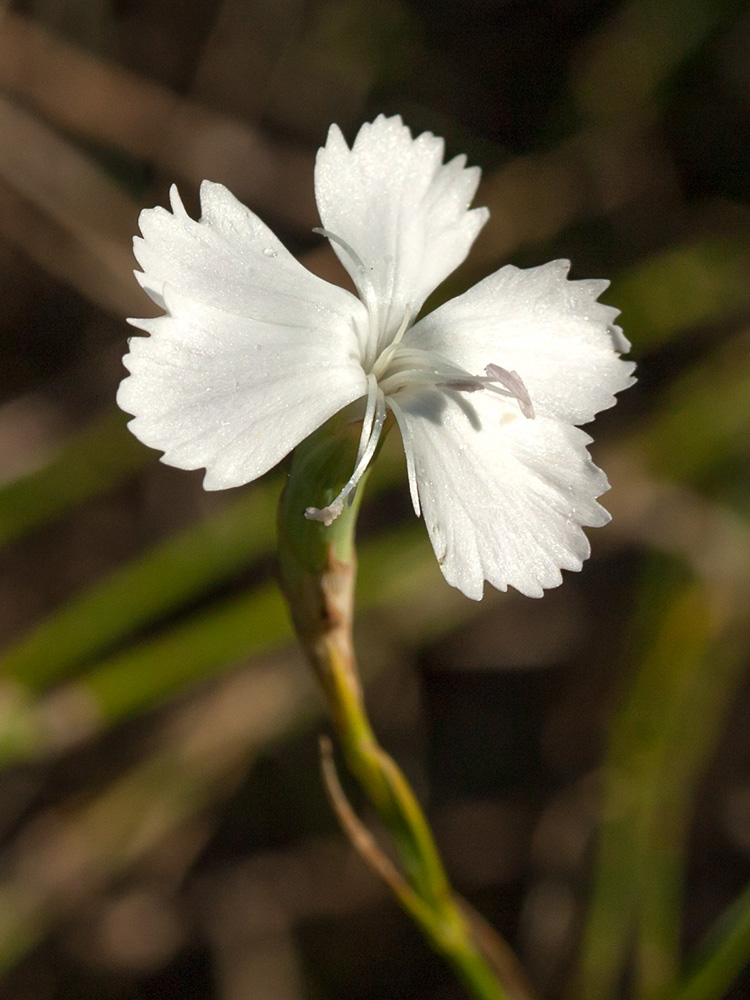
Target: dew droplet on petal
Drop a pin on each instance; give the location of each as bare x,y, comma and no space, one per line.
270,252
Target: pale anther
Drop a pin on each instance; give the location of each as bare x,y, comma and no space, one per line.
513,382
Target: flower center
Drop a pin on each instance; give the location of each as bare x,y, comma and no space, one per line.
400,366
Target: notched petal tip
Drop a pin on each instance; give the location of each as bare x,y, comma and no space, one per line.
619,340
176,203
335,137
154,289
122,397
480,215
559,268
210,192
383,121
143,323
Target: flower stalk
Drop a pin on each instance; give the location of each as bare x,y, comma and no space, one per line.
318,571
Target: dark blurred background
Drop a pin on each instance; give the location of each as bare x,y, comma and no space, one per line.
584,758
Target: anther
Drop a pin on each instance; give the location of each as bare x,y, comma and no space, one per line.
513,382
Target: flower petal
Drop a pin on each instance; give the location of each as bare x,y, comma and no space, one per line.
255,352
551,331
403,212
503,497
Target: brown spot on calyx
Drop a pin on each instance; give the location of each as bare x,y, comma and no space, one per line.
322,609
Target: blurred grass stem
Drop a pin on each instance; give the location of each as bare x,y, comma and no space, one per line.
723,955
661,740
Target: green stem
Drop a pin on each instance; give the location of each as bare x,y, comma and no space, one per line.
318,568
385,784
432,904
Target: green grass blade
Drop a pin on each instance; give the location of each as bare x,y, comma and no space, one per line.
703,419
681,288
96,459
250,625
164,578
660,741
211,642
723,955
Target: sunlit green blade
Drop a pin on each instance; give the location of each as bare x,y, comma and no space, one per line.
155,796
681,288
613,83
163,579
703,419
249,625
723,955
660,741
393,569
90,462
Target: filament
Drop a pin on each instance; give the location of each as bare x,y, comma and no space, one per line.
329,513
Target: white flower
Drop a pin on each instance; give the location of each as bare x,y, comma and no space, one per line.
254,353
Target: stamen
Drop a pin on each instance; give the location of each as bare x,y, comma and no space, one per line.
329,514
401,366
386,357
404,326
514,384
425,368
372,391
349,250
364,285
409,452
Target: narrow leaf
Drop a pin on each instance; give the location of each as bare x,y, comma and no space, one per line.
96,459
